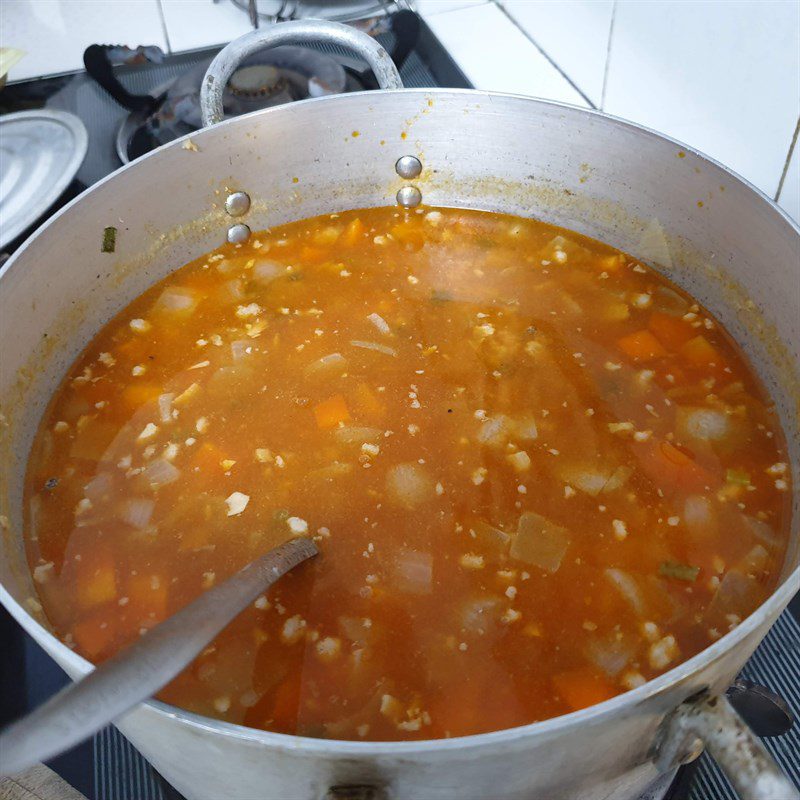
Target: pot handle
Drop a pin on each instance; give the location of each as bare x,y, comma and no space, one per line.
711,722
299,31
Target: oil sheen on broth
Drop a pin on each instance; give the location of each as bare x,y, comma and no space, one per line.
538,473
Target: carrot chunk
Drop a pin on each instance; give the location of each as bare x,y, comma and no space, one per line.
409,235
287,705
329,413
641,346
671,331
699,352
312,255
93,635
582,687
353,232
135,395
671,468
147,597
208,457
368,402
97,579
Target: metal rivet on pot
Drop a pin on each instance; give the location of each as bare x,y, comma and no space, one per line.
238,203
409,196
408,167
238,234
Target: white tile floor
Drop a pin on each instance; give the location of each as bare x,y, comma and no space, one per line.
721,76
573,33
496,55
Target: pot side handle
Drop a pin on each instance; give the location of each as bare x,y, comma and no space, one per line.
713,723
298,32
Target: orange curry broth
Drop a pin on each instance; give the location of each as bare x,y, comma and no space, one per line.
538,473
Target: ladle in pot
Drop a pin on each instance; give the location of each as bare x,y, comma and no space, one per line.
139,671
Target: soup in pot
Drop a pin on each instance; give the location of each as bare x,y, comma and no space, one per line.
539,475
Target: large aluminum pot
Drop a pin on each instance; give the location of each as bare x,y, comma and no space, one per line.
705,228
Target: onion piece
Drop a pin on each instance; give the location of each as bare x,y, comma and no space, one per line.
540,542
160,472
333,363
380,323
413,572
239,349
627,586
98,487
231,291
225,266
378,348
480,615
177,300
763,532
137,512
165,406
590,480
669,301
525,429
704,424
609,654
265,271
737,593
495,430
408,485
357,434
699,516
619,477
489,535
355,630
337,469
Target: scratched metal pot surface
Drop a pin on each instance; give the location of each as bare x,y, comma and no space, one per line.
705,228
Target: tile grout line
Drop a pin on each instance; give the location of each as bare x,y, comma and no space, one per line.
550,61
162,17
608,56
789,155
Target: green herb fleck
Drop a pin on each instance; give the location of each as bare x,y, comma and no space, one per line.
737,476
280,515
439,296
681,572
109,240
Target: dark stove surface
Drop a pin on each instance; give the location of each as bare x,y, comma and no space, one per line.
108,767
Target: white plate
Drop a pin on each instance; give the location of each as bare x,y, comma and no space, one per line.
40,152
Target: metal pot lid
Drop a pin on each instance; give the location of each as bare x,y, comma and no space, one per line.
40,153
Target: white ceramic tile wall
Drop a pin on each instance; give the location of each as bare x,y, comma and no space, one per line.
721,76
54,33
428,7
192,24
495,55
789,197
573,33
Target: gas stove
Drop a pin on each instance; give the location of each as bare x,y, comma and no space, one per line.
131,107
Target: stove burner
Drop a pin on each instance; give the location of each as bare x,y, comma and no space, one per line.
274,77
260,80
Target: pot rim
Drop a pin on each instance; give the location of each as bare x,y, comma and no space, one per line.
344,747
